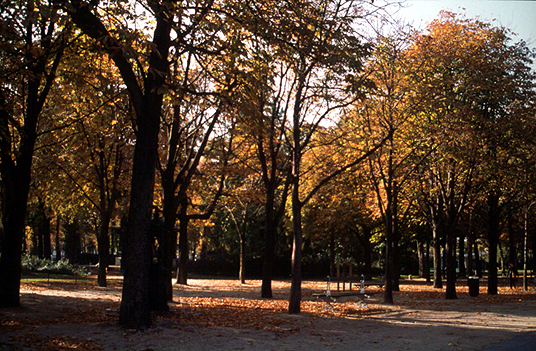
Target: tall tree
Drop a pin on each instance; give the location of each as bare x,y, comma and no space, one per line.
146,97
261,109
179,26
319,45
34,35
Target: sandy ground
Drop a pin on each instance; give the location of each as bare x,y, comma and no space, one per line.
226,315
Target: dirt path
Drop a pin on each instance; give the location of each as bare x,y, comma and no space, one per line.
225,315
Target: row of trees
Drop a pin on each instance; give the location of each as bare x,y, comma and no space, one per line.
281,111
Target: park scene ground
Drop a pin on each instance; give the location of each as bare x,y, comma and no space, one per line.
64,313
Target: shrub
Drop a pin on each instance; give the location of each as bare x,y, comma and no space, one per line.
36,264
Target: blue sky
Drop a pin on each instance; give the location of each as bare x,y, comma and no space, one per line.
518,16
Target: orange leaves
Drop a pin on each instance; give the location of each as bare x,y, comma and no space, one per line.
235,313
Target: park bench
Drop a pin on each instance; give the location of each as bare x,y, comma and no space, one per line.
372,282
328,296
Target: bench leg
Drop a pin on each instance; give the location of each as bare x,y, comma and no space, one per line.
328,307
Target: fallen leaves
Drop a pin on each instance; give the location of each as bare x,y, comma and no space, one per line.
63,343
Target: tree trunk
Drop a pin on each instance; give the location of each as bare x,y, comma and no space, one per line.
427,262
103,241
47,245
438,283
450,254
295,288
182,267
470,261
421,257
170,253
493,239
135,305
512,250
13,215
389,257
242,269
461,256
367,252
16,178
58,241
297,240
170,218
526,248
270,230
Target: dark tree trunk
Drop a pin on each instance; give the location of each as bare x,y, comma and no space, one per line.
135,307
332,253
421,257
46,237
182,267
58,241
450,254
470,261
493,239
270,229
427,262
135,304
389,258
103,241
438,282
170,219
295,288
13,215
367,252
170,255
461,256
16,174
242,269
512,250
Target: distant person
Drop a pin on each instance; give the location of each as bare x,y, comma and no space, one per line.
512,276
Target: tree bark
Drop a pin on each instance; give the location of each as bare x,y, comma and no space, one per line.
182,267
297,242
493,239
58,241
103,241
270,229
450,253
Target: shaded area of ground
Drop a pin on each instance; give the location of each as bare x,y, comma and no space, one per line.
226,315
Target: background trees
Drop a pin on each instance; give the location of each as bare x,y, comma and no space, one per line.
250,103
470,81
